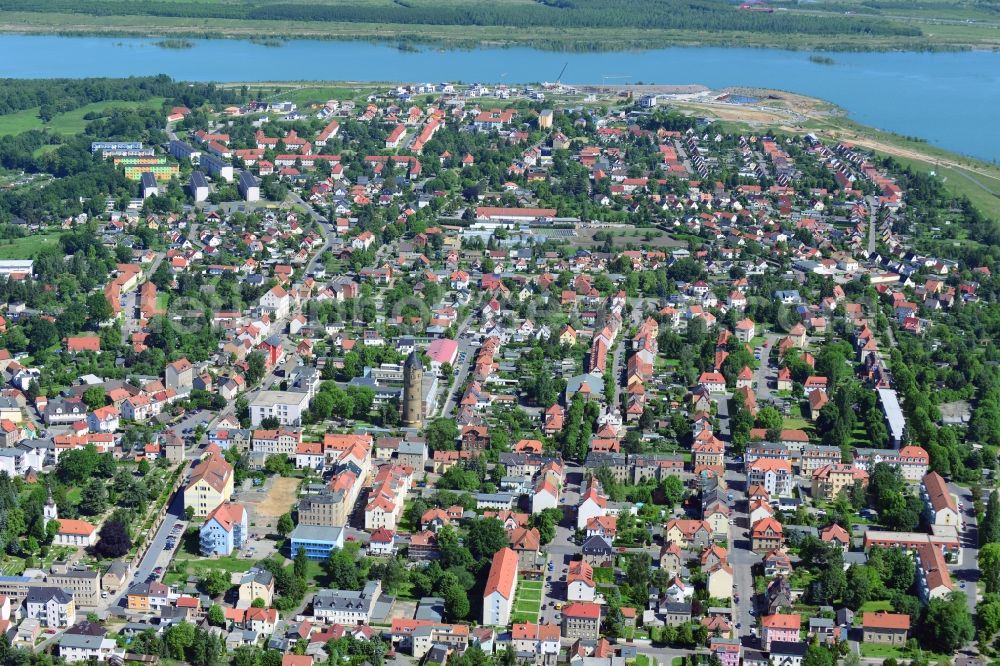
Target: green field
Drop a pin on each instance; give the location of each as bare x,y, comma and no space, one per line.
27,247
304,95
71,122
527,601
582,24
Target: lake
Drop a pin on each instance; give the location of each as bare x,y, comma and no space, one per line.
949,99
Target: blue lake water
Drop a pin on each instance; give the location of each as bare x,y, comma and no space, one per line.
949,99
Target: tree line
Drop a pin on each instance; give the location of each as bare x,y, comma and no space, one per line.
706,15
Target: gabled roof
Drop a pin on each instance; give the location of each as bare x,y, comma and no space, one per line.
503,574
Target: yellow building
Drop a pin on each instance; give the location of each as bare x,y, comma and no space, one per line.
828,481
210,485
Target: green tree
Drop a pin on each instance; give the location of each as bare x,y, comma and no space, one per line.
342,569
989,567
178,639
94,397
442,434
285,524
214,582
300,564
947,624
256,367
673,490
456,599
485,538
98,307
216,616
93,498
989,530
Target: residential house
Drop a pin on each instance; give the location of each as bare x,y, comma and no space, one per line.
885,628
783,628
581,620
225,530
498,596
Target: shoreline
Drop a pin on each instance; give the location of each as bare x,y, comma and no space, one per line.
453,37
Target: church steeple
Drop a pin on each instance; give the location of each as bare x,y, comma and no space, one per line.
50,511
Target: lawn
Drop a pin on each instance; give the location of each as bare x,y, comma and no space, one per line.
71,122
310,94
27,247
880,651
604,575
229,563
874,606
527,601
791,423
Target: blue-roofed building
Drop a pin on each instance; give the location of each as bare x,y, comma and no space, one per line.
317,540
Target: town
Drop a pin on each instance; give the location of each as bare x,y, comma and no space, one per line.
457,374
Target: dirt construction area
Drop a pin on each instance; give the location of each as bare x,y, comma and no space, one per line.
266,504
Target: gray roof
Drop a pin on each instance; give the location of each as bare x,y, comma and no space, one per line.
198,179
347,600
317,533
247,180
42,595
893,413
596,544
81,641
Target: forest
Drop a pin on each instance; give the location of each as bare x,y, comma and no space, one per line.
704,15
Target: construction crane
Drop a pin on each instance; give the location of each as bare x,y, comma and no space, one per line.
561,72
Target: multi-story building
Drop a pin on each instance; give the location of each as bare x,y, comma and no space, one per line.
286,406
580,584
933,578
83,584
317,541
255,584
939,504
766,535
282,441
225,530
385,501
498,596
581,620
780,627
828,481
774,475
210,485
53,607
912,461
539,640
347,607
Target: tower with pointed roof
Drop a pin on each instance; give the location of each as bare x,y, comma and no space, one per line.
50,511
413,399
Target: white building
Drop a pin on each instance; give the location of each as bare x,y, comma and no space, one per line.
53,607
498,597
75,648
347,607
286,406
9,267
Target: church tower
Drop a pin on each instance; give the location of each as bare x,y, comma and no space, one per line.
413,389
49,511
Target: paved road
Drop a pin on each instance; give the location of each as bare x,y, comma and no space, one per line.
740,556
766,376
463,365
157,554
967,570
